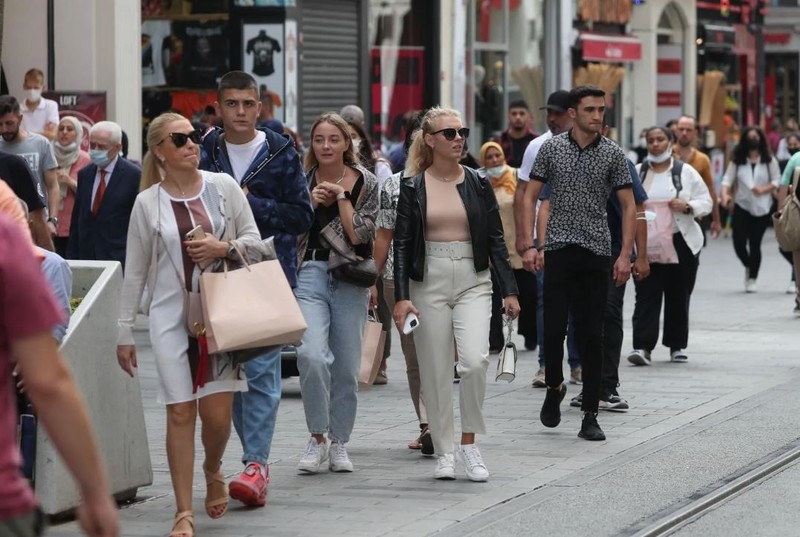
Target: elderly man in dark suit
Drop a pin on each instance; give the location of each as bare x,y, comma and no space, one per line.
106,191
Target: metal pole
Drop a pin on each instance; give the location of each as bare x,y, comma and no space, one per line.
51,45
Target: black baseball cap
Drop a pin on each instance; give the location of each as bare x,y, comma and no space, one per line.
558,101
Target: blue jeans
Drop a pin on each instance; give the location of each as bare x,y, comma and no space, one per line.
255,411
573,356
330,355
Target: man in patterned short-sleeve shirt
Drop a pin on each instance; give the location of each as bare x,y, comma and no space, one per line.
582,168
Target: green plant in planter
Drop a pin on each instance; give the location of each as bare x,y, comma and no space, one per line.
74,302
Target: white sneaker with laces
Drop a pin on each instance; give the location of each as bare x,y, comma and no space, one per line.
750,286
445,467
338,459
473,463
313,457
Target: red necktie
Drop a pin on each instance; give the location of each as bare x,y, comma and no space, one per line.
98,196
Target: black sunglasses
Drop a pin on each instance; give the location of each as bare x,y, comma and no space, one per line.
180,138
450,134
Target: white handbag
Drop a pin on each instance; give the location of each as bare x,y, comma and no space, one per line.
507,361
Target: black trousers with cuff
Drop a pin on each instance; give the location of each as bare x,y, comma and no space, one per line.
578,279
673,284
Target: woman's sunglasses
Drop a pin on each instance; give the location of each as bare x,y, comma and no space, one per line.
450,134
180,138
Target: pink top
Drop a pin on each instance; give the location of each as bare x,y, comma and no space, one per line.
27,308
65,214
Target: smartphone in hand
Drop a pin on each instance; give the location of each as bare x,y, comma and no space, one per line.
196,234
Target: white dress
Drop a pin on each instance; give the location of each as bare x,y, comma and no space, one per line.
176,353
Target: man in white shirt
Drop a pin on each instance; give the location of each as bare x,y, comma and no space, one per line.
39,115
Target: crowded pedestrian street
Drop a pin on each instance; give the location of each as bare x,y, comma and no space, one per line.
690,427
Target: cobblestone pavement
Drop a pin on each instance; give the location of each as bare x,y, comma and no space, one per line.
735,353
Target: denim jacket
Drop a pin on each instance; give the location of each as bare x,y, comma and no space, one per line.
277,192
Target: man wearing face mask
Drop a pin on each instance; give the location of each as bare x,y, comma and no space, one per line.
39,115
37,152
104,199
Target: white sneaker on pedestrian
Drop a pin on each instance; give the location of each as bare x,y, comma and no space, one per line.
314,456
639,357
338,459
678,357
469,455
445,467
792,289
750,286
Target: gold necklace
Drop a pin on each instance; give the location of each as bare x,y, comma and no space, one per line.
344,170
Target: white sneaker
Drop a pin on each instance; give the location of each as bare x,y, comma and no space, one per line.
473,462
314,456
792,289
678,357
445,467
750,286
639,357
339,461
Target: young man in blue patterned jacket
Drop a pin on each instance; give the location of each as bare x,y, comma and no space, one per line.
269,170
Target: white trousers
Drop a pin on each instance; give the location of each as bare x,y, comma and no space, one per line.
455,306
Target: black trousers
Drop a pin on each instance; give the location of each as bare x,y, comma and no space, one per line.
526,324
60,244
748,231
578,279
612,335
674,284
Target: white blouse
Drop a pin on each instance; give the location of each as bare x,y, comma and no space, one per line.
746,176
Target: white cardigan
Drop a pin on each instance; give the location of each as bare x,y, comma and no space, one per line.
695,192
143,247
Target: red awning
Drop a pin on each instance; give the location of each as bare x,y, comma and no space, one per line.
611,48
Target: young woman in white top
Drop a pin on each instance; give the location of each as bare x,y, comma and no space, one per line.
177,197
752,176
671,282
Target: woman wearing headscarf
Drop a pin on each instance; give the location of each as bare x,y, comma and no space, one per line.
71,159
752,176
677,199
504,183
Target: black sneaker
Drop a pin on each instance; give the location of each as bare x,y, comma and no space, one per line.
550,415
577,401
590,429
456,376
427,443
613,403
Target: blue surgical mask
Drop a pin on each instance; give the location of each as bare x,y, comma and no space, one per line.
99,157
496,171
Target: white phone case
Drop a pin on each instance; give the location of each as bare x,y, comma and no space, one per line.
411,323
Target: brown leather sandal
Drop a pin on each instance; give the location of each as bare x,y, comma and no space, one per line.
188,516
219,502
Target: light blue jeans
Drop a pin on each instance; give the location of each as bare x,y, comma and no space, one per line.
330,356
255,411
573,356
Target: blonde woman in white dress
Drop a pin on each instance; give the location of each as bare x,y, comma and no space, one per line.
161,259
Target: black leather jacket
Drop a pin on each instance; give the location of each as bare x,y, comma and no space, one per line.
485,230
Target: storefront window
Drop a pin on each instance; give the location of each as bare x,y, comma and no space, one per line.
505,58
400,35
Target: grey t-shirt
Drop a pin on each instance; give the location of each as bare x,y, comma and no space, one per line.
38,153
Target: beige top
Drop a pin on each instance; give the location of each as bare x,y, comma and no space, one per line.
505,200
446,220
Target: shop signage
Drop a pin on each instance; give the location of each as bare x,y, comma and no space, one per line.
777,38
605,11
611,48
88,106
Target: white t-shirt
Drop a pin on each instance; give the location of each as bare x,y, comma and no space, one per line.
37,119
748,176
242,155
530,155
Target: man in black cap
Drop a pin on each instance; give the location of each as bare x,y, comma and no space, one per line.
515,139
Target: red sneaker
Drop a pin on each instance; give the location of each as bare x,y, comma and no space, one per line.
250,487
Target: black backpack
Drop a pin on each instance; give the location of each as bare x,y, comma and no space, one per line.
677,168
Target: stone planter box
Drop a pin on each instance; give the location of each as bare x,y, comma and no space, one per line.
114,399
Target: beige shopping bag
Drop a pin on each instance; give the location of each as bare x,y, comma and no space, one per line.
371,350
250,307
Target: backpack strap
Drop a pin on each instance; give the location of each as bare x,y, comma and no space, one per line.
677,169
